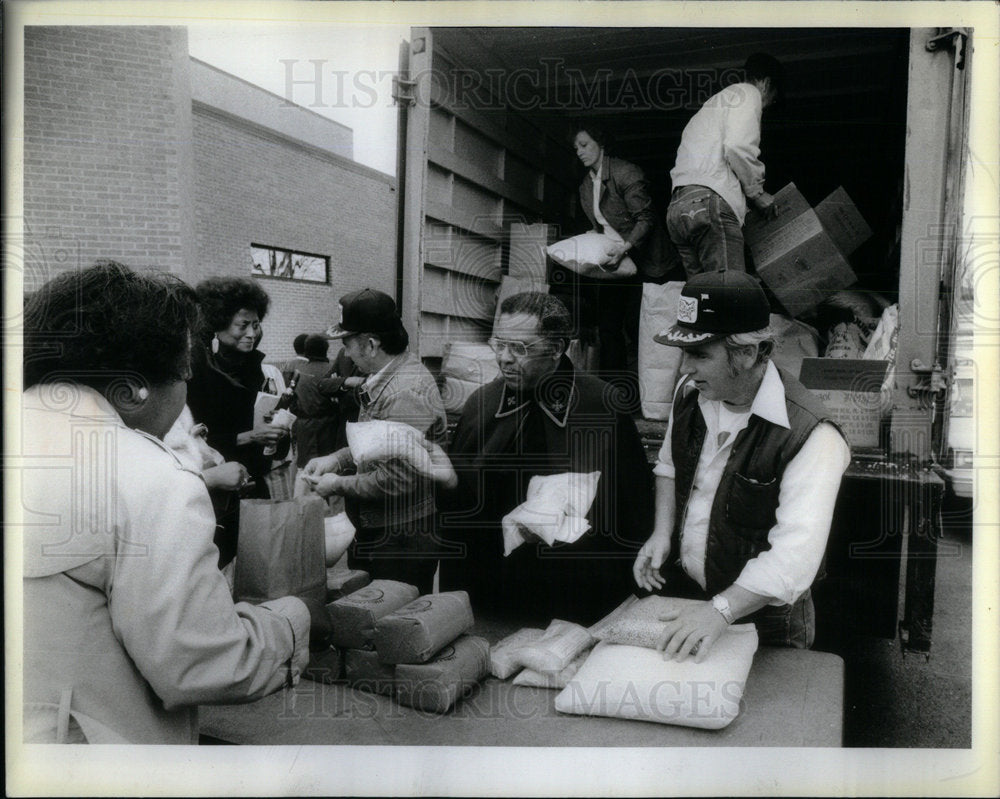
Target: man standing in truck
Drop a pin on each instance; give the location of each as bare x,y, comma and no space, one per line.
746,479
718,170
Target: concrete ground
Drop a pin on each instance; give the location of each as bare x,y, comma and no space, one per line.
910,701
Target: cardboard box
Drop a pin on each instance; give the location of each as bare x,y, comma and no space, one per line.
851,389
795,256
526,256
843,222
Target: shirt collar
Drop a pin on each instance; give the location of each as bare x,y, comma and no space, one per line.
554,395
769,401
376,382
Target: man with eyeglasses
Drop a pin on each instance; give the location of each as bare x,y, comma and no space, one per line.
389,502
542,417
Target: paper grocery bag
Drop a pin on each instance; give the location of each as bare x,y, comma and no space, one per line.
658,363
281,550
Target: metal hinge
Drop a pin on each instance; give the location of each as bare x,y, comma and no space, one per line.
950,39
402,91
932,379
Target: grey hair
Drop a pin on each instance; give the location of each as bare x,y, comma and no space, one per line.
762,341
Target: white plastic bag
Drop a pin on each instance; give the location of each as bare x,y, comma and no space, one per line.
554,510
589,254
658,363
383,440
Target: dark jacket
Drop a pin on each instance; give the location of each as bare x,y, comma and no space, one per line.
626,204
221,394
746,501
571,423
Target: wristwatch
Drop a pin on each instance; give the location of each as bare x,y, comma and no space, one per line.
721,604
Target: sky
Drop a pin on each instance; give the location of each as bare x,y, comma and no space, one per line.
342,71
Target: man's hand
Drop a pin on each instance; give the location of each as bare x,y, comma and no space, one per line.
228,476
266,434
353,382
695,626
319,466
616,251
646,569
442,472
764,203
325,485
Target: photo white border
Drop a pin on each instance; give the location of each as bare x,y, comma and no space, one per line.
399,771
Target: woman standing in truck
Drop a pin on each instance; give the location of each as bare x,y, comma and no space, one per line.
615,197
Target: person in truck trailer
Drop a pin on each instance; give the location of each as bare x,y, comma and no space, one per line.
718,169
746,479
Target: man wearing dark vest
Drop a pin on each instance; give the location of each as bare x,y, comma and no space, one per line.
746,479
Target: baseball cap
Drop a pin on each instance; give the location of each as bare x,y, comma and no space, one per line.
714,305
365,311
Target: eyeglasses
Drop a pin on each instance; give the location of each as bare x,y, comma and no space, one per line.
516,348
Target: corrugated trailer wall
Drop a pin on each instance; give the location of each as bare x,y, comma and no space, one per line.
485,166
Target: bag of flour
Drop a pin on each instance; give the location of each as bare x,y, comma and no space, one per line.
364,671
561,642
557,681
383,440
503,654
630,682
637,622
353,617
414,632
436,685
555,509
590,254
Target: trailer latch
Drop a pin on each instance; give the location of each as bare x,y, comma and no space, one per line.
952,39
402,91
932,380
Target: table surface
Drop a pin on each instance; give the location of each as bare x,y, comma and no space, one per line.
792,698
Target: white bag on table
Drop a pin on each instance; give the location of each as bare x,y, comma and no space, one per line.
630,682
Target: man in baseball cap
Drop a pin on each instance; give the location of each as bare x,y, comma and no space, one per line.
365,311
390,503
746,479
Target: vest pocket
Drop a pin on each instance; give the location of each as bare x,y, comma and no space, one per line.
751,505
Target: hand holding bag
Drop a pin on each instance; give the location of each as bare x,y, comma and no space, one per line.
281,550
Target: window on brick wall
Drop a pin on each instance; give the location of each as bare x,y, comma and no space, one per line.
284,264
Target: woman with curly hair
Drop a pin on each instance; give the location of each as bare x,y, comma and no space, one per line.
128,623
223,389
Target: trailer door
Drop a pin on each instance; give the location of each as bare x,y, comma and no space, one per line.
936,142
470,165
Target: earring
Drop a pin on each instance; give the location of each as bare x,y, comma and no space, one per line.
215,345
143,394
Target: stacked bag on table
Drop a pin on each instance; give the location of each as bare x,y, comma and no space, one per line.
625,675
389,640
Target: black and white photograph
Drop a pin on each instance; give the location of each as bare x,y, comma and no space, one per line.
501,399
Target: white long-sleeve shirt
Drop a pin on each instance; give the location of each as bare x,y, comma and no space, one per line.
806,497
720,147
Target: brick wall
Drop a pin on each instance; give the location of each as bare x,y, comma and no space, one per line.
254,185
107,119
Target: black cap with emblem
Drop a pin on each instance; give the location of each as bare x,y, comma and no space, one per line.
714,305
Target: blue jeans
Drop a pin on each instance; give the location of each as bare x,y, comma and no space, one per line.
787,625
706,231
